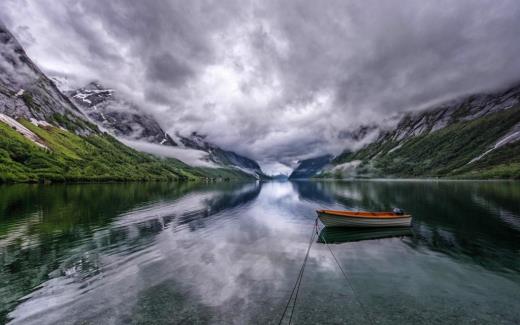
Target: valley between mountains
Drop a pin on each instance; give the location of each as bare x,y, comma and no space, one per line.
50,136
93,133
473,137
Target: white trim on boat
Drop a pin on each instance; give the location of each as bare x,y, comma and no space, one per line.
330,220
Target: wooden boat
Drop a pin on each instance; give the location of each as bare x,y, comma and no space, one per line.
337,218
338,235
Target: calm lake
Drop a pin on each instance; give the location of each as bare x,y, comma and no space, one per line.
230,253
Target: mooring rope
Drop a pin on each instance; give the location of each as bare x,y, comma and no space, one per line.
367,315
296,286
301,277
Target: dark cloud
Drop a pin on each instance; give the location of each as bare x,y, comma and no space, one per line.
277,80
167,69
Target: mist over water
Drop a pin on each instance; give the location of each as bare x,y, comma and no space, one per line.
230,253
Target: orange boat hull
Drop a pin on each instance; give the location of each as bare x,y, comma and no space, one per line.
355,219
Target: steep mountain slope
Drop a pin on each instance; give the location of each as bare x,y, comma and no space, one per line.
45,137
313,167
221,156
310,167
476,136
25,92
117,116
127,121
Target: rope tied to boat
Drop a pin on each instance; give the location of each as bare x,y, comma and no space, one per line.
349,282
296,287
297,284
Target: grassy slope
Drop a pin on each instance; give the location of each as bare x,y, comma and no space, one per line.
93,158
446,152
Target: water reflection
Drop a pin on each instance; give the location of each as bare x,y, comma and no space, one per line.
229,253
338,235
477,219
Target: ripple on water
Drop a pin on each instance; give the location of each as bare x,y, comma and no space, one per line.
230,253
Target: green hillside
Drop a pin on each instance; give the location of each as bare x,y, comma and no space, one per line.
447,152
97,157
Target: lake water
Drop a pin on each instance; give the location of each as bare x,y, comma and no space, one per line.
230,254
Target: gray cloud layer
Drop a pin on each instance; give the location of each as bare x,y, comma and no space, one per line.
276,80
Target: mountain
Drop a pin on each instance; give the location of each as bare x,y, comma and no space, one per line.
471,137
310,167
360,134
280,177
117,116
125,120
45,137
26,93
223,157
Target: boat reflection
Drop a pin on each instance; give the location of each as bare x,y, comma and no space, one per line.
338,235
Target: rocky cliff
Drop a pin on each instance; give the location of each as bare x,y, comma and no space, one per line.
475,137
126,120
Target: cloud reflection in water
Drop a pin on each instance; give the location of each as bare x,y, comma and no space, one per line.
230,253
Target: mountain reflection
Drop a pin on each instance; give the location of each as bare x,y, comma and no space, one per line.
478,219
48,232
229,253
337,235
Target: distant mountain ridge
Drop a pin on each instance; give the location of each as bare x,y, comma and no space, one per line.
464,109
44,137
118,116
25,92
126,120
473,137
310,167
221,156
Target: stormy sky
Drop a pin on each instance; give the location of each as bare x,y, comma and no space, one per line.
275,80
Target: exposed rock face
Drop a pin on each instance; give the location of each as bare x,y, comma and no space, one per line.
221,156
310,167
23,130
25,92
360,133
44,137
475,135
126,120
465,109
118,116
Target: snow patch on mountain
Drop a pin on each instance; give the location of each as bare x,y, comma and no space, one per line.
22,130
131,123
118,117
462,109
512,136
36,122
395,148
